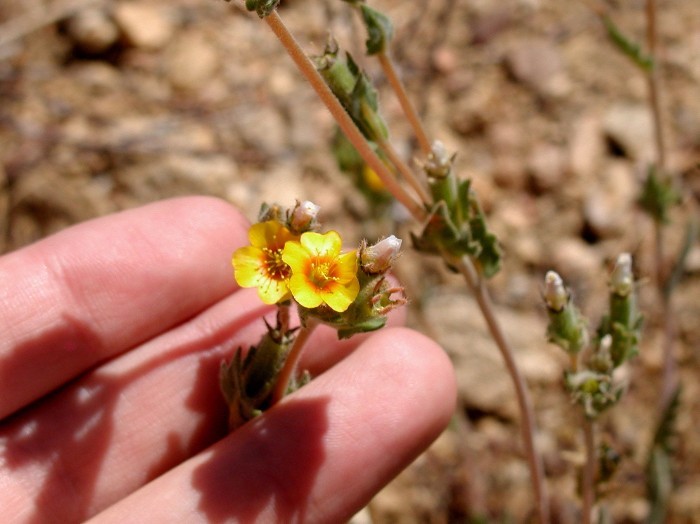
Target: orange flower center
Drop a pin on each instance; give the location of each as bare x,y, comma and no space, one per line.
321,272
275,267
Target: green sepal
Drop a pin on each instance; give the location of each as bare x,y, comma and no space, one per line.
567,329
246,383
379,30
262,7
354,91
457,225
658,196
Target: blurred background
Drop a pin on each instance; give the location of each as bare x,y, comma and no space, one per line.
107,105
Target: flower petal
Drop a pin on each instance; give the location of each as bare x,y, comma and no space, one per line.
304,291
296,257
346,267
273,291
328,244
339,297
248,266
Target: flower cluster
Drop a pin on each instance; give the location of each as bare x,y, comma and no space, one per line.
288,259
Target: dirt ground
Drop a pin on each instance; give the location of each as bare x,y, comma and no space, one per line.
109,105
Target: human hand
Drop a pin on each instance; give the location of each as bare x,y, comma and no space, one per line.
113,332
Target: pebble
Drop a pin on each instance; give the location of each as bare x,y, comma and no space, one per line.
538,65
144,25
608,203
92,30
631,128
546,164
190,61
586,146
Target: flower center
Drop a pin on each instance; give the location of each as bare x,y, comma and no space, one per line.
275,267
322,273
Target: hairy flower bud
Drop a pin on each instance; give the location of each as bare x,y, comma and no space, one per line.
303,217
621,279
439,163
555,295
378,258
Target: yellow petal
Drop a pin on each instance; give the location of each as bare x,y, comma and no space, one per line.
304,291
318,244
295,256
270,234
273,291
339,297
248,266
346,267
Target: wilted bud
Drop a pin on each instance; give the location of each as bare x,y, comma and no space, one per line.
555,295
621,279
439,163
303,217
378,258
567,328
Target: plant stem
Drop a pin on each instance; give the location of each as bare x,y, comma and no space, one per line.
589,471
348,127
528,425
288,371
670,375
404,170
408,109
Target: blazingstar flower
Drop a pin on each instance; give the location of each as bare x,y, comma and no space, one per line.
260,264
321,274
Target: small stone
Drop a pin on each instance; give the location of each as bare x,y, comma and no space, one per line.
546,165
144,25
92,30
586,147
538,65
631,129
574,259
608,204
190,61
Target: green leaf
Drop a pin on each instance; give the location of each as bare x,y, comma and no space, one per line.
631,49
379,30
658,196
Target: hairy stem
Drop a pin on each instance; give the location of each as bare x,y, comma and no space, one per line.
670,375
528,425
286,374
408,109
306,67
405,171
589,471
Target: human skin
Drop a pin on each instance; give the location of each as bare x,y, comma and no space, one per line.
113,332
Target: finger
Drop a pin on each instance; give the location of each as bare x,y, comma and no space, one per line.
133,418
99,288
323,452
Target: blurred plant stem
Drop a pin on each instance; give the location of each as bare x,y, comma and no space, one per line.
475,281
588,479
670,374
408,109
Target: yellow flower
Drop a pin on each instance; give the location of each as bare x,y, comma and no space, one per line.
320,273
260,264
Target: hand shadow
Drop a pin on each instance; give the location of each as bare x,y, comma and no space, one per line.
269,464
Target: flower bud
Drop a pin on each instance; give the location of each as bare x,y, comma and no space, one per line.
439,163
621,279
555,295
303,216
378,258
